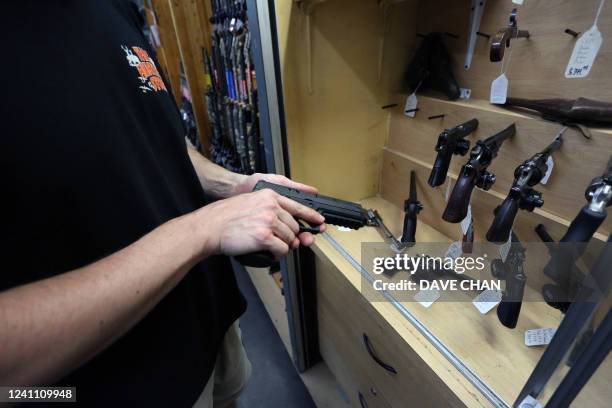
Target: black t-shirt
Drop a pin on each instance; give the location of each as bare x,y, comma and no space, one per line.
93,157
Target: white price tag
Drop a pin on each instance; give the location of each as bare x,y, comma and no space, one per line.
343,229
499,89
411,105
454,250
448,188
426,298
550,163
539,337
584,54
487,300
530,402
519,2
464,93
504,249
467,221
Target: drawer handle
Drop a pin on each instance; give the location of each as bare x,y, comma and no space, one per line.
381,363
362,401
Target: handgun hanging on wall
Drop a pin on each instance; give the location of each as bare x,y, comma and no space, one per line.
450,142
474,173
522,195
589,219
412,207
512,272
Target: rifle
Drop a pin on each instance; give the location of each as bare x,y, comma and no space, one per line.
513,273
336,212
521,194
474,173
570,112
450,141
412,207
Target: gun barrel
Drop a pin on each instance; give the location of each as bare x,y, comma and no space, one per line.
467,127
413,191
553,146
494,142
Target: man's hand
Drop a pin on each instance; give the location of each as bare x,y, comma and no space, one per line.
247,183
261,220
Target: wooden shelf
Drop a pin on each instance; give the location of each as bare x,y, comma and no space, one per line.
502,360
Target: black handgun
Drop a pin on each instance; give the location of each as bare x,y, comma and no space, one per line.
512,272
412,207
561,267
567,276
336,212
450,141
592,215
474,173
521,194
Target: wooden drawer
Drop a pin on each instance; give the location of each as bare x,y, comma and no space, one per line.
399,377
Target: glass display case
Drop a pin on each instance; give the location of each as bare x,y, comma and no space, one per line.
343,111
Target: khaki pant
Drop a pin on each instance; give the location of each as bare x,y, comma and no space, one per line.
231,373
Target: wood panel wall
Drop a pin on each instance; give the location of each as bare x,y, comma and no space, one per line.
336,133
536,71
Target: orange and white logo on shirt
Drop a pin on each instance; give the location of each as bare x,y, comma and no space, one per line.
147,71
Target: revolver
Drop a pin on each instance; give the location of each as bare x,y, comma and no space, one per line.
512,272
474,173
521,194
450,141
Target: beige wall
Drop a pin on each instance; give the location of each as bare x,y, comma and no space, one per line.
336,133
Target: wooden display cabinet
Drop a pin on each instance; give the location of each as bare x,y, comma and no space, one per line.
341,140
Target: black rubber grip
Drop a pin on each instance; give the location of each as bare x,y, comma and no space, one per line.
457,206
508,313
584,226
409,232
499,231
440,169
259,259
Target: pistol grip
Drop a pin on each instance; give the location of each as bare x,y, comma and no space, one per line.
440,169
504,218
457,206
409,233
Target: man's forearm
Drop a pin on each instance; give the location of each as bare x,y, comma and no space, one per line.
49,327
215,180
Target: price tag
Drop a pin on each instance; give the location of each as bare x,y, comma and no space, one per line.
530,402
504,249
584,54
454,250
448,189
539,337
426,298
467,221
499,89
343,229
487,300
411,105
550,163
464,93
519,2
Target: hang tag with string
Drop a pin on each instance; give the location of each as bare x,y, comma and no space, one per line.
410,108
586,50
499,86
